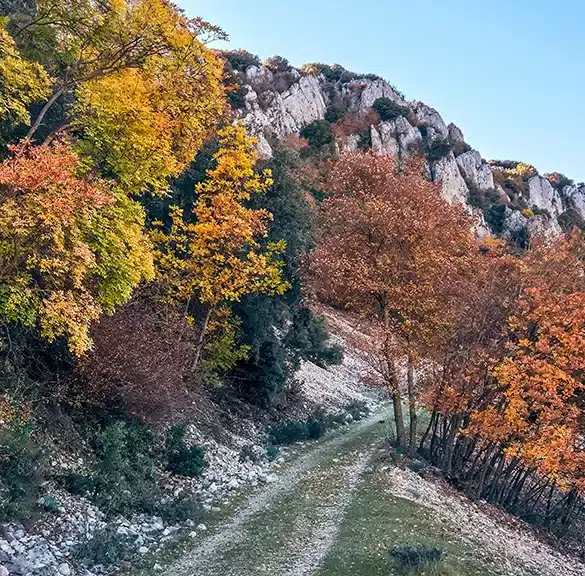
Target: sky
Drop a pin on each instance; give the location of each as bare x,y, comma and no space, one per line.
509,73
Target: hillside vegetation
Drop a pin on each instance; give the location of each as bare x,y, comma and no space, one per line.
158,255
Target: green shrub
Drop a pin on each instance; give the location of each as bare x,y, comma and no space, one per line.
318,134
183,459
571,219
416,556
278,64
124,474
176,511
365,140
333,113
460,147
106,548
317,424
22,473
389,110
288,432
357,410
78,484
438,149
241,60
237,98
272,452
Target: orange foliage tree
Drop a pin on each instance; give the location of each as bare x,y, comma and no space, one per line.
389,248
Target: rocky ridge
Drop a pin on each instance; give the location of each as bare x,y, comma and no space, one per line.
272,109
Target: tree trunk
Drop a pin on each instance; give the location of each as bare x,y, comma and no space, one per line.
399,420
411,408
201,338
421,444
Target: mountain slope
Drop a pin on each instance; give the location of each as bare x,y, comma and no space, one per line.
510,199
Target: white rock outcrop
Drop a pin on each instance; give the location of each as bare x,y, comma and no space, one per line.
428,116
446,173
475,171
544,196
575,197
396,137
455,134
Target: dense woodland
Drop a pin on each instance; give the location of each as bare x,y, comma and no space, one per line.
146,252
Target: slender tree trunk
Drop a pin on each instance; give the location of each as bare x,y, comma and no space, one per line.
201,338
411,408
421,444
399,420
450,445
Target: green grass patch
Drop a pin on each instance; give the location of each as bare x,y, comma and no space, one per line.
377,522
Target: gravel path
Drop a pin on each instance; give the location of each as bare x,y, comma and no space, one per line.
288,528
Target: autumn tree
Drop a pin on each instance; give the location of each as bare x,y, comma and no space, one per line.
216,257
134,82
388,248
70,246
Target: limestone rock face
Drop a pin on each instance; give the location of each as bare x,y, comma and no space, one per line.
375,89
544,196
448,175
455,134
431,118
475,171
282,114
541,225
575,197
514,223
274,109
395,137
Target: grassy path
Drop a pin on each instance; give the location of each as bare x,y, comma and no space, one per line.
339,510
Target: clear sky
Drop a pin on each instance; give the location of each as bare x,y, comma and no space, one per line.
509,73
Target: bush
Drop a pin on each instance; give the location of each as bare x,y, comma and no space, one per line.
237,97
333,113
272,452
176,511
416,556
22,473
318,133
106,548
288,432
365,140
460,147
241,60
278,64
183,459
78,484
559,181
357,410
124,475
438,149
389,110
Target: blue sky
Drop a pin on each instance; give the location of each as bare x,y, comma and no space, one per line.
509,73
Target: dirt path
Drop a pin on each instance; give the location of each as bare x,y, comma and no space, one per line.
288,528
340,509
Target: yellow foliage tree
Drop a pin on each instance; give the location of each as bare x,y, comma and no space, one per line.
219,257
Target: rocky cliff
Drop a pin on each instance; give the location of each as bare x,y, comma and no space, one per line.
509,199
